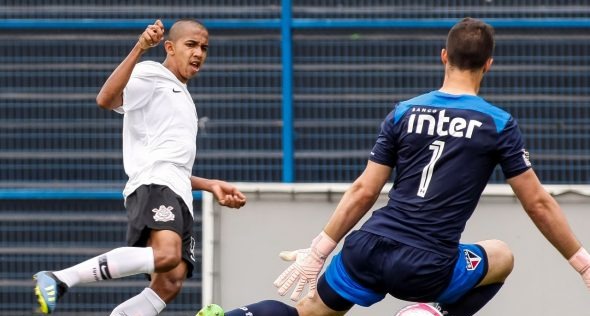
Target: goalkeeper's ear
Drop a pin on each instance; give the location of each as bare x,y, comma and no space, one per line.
488,65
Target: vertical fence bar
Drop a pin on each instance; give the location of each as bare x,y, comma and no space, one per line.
209,279
287,92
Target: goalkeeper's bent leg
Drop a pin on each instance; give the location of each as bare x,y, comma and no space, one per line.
472,301
265,308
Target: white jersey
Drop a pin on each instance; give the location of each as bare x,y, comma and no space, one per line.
159,131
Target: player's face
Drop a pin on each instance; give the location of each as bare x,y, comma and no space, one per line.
190,52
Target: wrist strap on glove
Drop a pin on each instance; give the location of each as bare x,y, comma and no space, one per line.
323,245
580,261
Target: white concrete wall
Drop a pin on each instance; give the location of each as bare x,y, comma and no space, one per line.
248,242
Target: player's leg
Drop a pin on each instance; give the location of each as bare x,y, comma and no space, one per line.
262,308
120,262
168,283
117,263
174,262
500,261
307,306
479,274
325,302
159,219
167,247
174,250
164,287
146,303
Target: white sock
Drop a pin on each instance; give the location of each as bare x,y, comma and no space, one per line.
146,303
117,263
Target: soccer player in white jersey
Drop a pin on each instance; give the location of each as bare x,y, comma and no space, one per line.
159,147
444,145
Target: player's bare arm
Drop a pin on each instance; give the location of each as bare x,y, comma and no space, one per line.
547,215
225,193
544,212
111,94
358,200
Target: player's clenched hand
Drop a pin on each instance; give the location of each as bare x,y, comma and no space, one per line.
227,194
152,35
306,268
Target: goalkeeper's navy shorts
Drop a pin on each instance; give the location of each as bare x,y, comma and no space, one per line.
157,207
370,266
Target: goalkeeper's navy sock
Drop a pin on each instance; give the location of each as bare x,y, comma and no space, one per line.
472,301
264,308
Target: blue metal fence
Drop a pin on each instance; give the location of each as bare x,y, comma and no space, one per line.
291,92
55,229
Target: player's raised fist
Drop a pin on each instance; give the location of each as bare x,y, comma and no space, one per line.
152,35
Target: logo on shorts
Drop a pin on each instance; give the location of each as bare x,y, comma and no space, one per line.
526,157
163,214
472,259
192,250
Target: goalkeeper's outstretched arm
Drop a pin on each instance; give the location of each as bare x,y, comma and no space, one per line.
551,221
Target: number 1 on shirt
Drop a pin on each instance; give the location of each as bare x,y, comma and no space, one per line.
437,148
